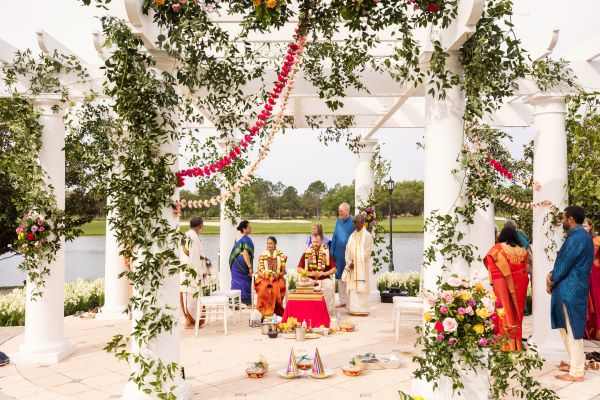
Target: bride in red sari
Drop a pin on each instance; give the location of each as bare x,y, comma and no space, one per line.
507,265
592,328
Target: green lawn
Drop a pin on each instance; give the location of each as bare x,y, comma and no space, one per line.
400,225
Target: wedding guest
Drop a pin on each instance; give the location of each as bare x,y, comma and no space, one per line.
317,229
568,283
240,262
592,329
507,266
343,229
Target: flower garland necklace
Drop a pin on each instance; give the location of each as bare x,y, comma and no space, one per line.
314,261
277,254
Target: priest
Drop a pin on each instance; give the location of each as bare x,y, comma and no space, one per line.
358,270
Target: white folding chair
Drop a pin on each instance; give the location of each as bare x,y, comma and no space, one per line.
213,305
405,304
234,299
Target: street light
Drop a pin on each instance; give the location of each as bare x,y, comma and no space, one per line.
390,188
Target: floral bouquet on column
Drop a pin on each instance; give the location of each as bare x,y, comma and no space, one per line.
33,234
370,218
462,353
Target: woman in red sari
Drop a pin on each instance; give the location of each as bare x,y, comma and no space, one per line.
507,265
592,328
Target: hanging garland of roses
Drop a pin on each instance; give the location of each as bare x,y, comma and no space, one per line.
226,160
277,123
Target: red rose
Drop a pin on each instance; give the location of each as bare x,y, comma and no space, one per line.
439,326
432,7
294,46
30,236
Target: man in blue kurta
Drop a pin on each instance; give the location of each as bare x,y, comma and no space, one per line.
569,284
342,231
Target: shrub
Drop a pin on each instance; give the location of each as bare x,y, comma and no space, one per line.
79,296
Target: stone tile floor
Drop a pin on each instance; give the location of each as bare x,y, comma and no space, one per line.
215,364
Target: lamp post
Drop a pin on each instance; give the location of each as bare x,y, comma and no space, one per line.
390,187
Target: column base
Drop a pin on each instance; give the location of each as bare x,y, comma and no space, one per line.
183,391
46,355
476,388
112,314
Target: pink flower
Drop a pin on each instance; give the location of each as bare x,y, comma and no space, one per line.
469,310
498,304
41,222
482,342
454,281
430,301
440,337
461,311
452,341
450,325
471,302
176,7
494,317
26,217
444,310
448,296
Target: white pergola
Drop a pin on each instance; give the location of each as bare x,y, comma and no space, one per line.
388,105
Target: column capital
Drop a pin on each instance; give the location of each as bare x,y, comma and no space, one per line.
368,145
50,104
548,103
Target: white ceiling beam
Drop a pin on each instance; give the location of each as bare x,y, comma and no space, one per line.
48,45
391,112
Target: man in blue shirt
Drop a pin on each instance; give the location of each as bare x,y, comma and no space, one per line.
568,282
342,231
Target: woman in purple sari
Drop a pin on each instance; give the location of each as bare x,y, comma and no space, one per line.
240,262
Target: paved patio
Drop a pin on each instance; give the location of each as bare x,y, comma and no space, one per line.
215,364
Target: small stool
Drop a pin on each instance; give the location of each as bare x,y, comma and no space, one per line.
234,297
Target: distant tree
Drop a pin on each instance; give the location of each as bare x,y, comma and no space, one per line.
312,197
408,198
335,196
290,201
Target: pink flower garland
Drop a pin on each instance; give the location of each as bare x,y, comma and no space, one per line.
278,121
226,160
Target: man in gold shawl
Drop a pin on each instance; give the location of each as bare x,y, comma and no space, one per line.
357,272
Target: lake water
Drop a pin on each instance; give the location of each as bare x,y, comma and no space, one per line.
85,255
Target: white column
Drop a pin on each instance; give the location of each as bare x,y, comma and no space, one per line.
364,184
227,235
550,170
116,290
443,141
364,179
45,341
166,345
481,234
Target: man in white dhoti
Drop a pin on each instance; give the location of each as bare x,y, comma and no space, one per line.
192,255
357,272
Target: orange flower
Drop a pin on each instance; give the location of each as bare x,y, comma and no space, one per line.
271,3
257,2
159,2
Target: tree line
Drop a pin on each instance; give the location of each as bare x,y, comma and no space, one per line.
274,200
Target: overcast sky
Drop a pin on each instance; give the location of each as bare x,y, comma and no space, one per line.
297,158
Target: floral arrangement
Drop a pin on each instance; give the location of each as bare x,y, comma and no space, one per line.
175,7
267,10
32,234
460,334
407,282
461,313
370,217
